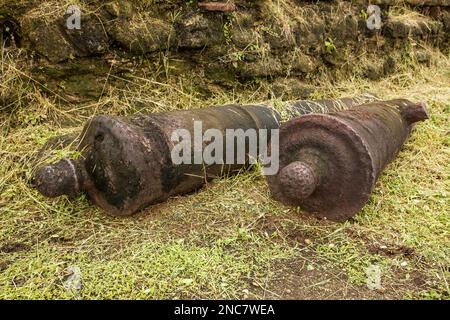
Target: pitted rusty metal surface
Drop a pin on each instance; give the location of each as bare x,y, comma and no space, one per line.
329,163
126,163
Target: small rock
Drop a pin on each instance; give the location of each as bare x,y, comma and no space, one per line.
73,279
381,290
422,56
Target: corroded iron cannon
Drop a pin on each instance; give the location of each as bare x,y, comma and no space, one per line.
126,163
329,163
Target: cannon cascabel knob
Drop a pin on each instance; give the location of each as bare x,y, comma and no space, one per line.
61,178
329,163
299,179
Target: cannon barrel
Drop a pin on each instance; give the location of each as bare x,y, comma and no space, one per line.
329,163
126,163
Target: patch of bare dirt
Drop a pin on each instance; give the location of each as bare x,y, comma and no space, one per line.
380,247
294,281
14,247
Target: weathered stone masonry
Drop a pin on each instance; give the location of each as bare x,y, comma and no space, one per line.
249,40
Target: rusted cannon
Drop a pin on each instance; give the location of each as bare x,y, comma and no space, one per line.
329,163
126,163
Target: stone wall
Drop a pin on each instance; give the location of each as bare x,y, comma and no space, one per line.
244,41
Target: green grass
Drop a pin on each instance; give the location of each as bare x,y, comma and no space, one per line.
230,239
